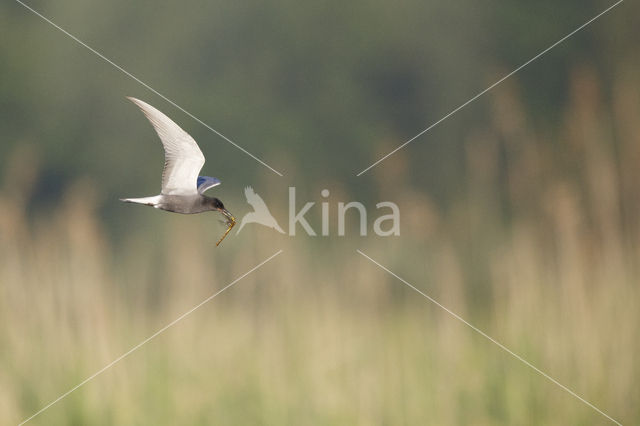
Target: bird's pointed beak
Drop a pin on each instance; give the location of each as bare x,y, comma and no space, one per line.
231,221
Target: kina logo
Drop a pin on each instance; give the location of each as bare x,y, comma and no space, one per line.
383,226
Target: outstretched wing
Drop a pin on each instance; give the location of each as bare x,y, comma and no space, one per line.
207,182
183,159
255,200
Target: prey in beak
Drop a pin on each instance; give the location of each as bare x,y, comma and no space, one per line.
230,222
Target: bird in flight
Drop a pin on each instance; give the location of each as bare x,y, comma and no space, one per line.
182,188
261,213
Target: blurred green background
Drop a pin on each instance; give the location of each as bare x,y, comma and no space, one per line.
519,213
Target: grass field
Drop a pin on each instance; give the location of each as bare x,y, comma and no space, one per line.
320,335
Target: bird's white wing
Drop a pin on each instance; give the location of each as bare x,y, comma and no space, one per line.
183,159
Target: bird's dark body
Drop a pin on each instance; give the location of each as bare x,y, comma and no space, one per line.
184,204
187,204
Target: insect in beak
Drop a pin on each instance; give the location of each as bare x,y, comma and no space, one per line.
230,222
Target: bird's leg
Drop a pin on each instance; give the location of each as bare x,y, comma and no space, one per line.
231,222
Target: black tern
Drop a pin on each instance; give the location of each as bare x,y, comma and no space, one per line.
182,188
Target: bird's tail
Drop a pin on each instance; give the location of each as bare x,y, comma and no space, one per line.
149,201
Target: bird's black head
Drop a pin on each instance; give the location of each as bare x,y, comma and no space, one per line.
217,204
